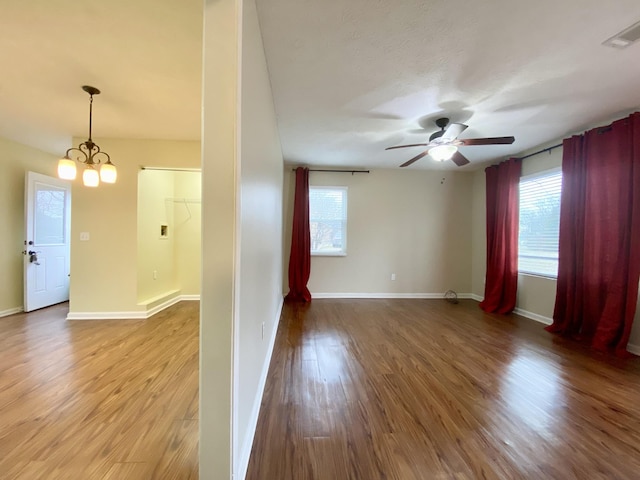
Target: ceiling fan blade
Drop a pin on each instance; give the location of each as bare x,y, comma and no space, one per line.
414,159
459,159
405,146
453,130
488,141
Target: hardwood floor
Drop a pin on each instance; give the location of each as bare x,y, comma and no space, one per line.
108,399
424,389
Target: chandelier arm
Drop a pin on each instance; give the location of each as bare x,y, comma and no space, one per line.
78,159
97,161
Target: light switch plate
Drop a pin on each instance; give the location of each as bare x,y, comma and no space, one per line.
84,236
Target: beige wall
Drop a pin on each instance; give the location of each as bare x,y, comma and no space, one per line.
414,223
104,270
172,263
156,255
536,295
187,231
479,239
15,161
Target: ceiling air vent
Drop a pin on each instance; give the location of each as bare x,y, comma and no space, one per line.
625,37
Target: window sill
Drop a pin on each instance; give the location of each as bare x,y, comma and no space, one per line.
337,254
539,275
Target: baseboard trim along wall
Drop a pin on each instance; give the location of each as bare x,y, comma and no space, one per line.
635,349
134,315
245,451
11,311
533,316
386,295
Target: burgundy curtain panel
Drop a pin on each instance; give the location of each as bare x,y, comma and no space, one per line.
501,283
599,254
300,258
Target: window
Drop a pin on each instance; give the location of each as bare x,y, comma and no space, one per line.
328,220
539,223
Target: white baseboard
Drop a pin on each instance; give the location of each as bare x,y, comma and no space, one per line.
635,349
386,295
141,315
533,316
11,311
134,315
245,451
189,297
477,298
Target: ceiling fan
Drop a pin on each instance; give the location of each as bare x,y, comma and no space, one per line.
444,143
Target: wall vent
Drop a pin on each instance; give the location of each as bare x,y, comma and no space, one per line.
624,38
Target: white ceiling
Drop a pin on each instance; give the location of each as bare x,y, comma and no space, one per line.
349,78
144,55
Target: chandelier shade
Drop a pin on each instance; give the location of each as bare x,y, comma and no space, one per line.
89,154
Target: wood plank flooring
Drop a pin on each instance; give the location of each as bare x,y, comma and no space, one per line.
424,389
108,399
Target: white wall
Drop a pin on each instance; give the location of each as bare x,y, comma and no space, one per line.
220,187
260,296
414,223
241,236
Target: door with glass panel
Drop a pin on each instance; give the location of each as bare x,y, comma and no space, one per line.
46,246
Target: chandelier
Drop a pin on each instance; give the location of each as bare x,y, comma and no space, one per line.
89,154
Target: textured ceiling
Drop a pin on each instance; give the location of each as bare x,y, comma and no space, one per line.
145,56
351,78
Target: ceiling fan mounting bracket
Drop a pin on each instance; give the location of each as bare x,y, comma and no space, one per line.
442,122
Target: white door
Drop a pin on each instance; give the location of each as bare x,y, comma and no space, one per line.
47,232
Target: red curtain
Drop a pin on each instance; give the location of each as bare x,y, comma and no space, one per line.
501,282
300,258
599,255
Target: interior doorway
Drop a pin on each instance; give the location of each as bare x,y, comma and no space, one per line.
169,230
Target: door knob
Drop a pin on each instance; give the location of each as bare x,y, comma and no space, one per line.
33,257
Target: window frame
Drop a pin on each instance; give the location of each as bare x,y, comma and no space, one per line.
345,202
532,176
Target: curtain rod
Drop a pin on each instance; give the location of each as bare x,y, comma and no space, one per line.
170,169
337,171
548,149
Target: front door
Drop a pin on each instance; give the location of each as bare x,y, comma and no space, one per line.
47,232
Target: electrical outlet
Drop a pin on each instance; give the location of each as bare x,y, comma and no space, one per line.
155,274
393,276
263,330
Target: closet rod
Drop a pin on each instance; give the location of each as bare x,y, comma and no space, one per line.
170,169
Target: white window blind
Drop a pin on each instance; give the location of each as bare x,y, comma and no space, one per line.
328,220
539,223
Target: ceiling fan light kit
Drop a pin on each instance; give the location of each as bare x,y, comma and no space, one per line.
89,154
442,153
444,143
